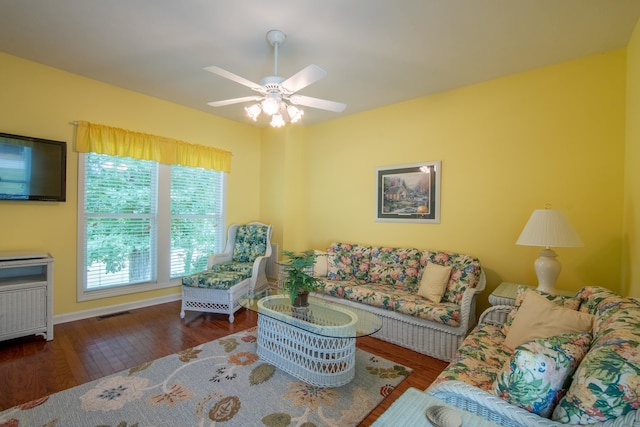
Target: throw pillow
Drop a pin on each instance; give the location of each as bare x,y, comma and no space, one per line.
434,281
564,301
540,318
539,372
320,265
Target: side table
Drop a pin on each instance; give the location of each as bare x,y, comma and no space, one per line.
409,411
506,293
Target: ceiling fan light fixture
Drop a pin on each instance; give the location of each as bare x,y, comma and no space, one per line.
277,121
253,111
295,114
278,96
271,104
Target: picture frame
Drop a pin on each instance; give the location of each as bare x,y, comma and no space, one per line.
409,193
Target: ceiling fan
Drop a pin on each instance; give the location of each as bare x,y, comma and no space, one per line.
278,96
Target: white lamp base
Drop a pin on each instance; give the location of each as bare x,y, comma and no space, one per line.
547,269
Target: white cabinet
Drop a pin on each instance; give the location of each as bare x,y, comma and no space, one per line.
26,295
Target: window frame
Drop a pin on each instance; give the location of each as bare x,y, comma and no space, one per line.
163,238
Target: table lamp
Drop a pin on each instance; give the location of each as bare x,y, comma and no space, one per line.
547,228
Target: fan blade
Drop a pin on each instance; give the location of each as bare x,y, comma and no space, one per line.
234,101
322,104
236,78
303,78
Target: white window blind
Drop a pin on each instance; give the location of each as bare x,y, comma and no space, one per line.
120,220
197,212
143,225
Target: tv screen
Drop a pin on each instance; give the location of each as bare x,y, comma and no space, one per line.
32,168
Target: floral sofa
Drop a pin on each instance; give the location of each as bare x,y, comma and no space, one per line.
390,282
577,377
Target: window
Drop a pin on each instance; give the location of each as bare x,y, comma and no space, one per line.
143,224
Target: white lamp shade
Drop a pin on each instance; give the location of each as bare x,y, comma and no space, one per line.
549,228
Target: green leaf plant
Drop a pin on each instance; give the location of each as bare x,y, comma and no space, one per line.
299,273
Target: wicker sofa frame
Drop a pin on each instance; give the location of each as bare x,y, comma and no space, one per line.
424,336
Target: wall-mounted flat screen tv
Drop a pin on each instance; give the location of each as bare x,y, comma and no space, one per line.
32,168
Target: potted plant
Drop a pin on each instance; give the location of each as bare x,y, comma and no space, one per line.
298,279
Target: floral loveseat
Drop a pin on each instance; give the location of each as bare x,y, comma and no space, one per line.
590,377
389,282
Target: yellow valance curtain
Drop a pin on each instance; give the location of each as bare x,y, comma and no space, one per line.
124,143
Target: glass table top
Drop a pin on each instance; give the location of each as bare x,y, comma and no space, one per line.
320,317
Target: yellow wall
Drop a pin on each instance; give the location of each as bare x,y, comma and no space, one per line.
508,146
631,254
42,102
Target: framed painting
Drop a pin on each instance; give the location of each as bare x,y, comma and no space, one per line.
409,193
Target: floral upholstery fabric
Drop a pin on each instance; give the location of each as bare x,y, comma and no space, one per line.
402,301
539,372
398,267
389,278
347,261
465,272
606,385
216,279
479,358
250,243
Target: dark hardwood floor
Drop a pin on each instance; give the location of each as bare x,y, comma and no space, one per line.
89,349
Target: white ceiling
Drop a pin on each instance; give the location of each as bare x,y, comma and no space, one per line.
376,52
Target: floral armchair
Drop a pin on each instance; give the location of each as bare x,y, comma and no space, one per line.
238,270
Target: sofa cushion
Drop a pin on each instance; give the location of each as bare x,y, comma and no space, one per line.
572,303
434,281
479,358
539,372
606,385
401,301
346,261
465,272
540,318
398,267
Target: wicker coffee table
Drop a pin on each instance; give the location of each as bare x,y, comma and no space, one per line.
316,344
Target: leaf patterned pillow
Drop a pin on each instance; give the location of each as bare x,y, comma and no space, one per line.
540,371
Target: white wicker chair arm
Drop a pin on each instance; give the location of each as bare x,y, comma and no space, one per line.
486,405
495,315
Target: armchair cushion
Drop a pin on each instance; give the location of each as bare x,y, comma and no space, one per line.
212,279
250,243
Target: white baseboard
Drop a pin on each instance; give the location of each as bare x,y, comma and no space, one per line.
102,311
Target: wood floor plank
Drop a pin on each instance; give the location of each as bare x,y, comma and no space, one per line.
89,349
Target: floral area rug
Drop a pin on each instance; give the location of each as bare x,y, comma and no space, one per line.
220,383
